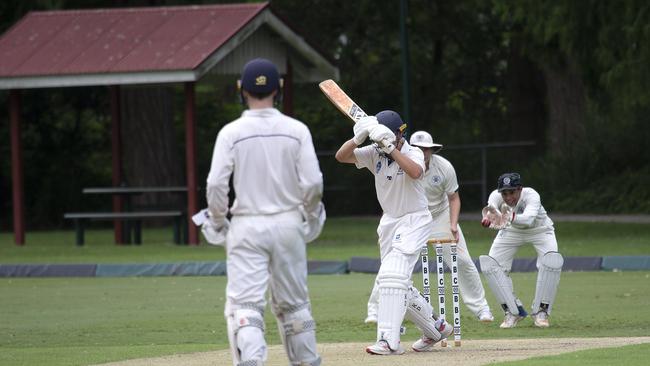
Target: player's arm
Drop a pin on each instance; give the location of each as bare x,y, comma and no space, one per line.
345,154
533,205
410,167
454,213
217,186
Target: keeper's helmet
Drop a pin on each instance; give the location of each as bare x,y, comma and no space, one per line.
392,120
508,181
260,76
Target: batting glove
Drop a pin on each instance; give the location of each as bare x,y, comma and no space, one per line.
386,149
362,127
214,230
381,133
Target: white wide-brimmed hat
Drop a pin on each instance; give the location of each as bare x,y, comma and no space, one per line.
424,139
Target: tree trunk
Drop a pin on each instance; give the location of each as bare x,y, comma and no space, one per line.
566,109
150,149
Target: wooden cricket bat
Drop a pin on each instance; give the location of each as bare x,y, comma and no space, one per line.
343,102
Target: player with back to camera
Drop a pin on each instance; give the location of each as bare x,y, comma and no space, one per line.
277,208
518,214
441,188
403,230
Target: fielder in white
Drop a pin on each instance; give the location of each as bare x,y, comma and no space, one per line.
403,230
277,208
441,188
518,214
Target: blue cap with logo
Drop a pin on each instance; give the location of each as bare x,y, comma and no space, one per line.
508,181
260,76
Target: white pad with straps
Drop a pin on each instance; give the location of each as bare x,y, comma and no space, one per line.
548,278
420,312
299,336
499,282
246,334
393,280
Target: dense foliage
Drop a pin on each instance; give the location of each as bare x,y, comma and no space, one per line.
570,76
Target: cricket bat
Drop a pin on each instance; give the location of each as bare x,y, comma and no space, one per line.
343,102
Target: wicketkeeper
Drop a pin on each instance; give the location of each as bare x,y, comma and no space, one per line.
518,214
403,229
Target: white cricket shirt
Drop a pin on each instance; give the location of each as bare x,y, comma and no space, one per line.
273,163
439,182
529,212
397,193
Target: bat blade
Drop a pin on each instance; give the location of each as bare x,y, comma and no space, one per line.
342,101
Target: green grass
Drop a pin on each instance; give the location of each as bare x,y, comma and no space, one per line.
342,238
80,321
77,321
635,355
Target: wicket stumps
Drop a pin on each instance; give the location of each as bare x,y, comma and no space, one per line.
426,286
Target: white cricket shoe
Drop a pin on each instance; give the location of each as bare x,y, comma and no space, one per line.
382,348
510,320
426,344
541,319
371,318
485,316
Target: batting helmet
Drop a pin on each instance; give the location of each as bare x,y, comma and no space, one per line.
260,76
508,181
391,120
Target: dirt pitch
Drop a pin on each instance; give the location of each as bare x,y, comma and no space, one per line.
472,352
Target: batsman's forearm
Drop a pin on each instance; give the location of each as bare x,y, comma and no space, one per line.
413,169
345,154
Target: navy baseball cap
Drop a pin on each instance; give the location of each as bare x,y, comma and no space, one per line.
392,120
260,76
508,181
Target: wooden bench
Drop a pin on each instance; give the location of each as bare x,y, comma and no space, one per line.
80,219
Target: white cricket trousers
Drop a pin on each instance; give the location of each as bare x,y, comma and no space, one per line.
267,251
469,280
509,240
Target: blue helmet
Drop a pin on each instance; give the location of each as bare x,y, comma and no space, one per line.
260,76
508,181
392,120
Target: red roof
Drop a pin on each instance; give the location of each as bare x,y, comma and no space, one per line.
119,40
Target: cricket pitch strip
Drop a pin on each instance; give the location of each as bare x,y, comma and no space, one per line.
472,352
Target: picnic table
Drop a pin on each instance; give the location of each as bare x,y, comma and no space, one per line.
132,219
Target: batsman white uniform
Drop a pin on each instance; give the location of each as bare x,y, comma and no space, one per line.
530,224
403,230
439,181
275,171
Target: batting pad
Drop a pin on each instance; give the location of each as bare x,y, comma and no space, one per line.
500,284
393,280
420,312
548,279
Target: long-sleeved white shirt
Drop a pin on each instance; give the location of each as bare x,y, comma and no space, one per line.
273,163
529,212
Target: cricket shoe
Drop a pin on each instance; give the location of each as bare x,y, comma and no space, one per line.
371,318
485,316
382,348
426,344
510,320
541,319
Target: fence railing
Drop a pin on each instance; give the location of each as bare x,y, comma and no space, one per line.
481,181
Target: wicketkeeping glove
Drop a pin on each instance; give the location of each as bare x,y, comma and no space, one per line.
362,127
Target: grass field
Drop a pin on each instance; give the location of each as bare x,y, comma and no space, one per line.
81,321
